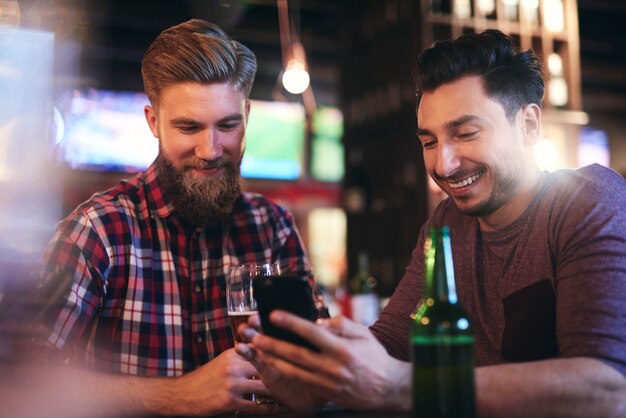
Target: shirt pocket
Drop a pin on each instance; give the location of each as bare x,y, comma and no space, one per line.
530,323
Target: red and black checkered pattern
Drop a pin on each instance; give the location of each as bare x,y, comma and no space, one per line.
138,291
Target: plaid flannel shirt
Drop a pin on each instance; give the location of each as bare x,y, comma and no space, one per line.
139,291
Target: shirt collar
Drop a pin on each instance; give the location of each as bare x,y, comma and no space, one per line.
160,204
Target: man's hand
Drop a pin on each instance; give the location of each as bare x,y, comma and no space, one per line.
289,392
219,387
342,372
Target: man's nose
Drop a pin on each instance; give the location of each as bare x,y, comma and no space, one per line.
448,160
209,147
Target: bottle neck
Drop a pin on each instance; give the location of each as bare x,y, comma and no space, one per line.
362,281
439,283
363,263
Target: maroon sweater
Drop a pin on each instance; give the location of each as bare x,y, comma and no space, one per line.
552,284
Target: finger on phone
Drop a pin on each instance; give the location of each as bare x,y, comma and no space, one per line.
246,332
318,336
254,321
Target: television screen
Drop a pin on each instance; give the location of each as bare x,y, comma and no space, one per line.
326,147
274,141
107,131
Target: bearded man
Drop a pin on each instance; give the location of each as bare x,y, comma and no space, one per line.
134,278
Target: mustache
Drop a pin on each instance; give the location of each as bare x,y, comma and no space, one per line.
207,165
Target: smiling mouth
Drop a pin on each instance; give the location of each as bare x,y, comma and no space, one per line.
465,182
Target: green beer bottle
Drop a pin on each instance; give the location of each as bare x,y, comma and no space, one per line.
441,339
364,303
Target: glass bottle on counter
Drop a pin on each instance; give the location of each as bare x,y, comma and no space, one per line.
364,303
441,339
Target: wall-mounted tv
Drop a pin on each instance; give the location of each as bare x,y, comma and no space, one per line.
274,141
106,131
327,162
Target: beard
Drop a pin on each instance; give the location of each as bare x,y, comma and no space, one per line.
506,183
503,191
201,200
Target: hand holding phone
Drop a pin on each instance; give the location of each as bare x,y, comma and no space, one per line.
289,293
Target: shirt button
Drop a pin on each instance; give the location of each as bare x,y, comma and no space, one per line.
198,288
199,339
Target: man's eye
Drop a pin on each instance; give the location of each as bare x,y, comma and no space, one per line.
428,143
228,126
188,129
467,135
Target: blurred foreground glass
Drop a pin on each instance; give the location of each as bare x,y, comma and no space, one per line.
30,181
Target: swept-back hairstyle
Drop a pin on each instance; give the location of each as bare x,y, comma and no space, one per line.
196,51
512,78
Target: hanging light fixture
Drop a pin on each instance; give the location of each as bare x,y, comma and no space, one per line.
295,76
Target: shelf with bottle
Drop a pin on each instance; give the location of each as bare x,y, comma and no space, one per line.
536,17
362,303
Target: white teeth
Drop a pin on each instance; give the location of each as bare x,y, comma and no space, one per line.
465,182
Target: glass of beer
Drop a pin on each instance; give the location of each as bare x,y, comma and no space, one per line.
240,301
240,294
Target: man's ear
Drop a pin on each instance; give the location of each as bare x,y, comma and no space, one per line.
151,118
247,109
531,124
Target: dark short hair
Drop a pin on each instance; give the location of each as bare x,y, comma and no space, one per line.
512,78
196,51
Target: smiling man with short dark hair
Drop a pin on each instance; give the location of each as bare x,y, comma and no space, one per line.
539,260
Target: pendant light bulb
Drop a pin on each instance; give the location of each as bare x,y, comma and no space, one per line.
296,77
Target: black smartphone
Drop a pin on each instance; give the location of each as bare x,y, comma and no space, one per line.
289,293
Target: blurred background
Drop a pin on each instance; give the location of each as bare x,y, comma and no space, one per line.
342,155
